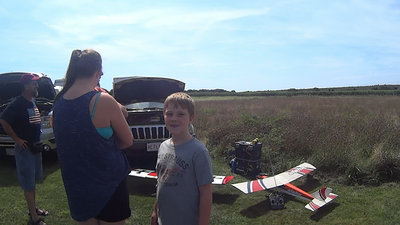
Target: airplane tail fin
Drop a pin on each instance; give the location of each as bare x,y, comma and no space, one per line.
321,198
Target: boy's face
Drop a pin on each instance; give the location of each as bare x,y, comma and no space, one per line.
177,119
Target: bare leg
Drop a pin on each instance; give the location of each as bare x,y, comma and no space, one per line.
30,200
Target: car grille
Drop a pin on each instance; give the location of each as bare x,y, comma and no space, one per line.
6,141
152,132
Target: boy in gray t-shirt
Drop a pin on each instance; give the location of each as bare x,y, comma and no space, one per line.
184,171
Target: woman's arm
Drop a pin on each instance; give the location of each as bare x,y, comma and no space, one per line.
120,126
123,110
108,113
205,204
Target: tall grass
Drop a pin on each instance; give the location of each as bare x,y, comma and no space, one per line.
351,139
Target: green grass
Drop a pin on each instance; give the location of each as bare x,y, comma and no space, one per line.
355,205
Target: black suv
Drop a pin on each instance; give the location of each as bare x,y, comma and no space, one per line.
10,87
144,97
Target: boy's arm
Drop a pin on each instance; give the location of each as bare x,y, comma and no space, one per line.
205,204
154,217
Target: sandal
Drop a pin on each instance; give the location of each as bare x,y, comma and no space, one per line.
41,212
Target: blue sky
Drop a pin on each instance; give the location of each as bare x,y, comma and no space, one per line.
228,44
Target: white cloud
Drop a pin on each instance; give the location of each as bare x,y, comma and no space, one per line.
160,19
233,40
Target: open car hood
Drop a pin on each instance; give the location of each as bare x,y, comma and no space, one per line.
10,86
128,90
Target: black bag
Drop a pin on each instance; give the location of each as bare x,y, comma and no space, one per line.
35,147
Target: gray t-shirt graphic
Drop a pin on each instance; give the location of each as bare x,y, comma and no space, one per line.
181,170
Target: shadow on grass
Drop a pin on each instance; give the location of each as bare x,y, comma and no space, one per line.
324,211
141,186
309,183
257,210
225,198
8,174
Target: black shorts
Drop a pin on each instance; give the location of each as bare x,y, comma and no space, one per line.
117,208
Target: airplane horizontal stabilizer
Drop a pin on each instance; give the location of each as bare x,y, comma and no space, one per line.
321,198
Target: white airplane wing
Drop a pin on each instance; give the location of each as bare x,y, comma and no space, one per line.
256,185
143,173
294,173
275,181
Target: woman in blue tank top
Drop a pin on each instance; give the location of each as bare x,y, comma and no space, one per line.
90,131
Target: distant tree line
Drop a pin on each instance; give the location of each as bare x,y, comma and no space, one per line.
356,90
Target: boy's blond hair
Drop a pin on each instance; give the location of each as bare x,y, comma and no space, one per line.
182,99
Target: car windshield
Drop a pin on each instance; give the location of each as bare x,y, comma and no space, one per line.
145,105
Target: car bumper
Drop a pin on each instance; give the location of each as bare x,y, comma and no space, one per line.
7,145
143,154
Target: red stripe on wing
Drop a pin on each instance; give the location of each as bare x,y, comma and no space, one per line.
305,171
322,193
313,205
153,174
255,185
227,179
332,196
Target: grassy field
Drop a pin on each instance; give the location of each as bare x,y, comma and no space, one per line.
353,141
356,204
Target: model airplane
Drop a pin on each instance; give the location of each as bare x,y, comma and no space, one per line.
144,173
281,183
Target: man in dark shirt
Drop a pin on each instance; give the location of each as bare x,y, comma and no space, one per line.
21,121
